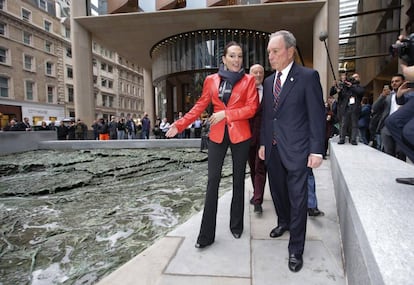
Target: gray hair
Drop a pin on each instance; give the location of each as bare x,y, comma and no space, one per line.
288,37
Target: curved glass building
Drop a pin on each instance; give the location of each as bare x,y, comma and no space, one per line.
181,62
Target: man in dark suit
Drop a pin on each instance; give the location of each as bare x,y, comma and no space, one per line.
257,167
292,139
401,125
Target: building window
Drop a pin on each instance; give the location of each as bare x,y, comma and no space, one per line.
103,82
48,47
110,68
27,38
50,70
29,90
50,94
3,29
111,101
42,5
69,72
48,26
28,62
67,32
95,79
70,94
2,4
103,66
26,15
3,55
110,84
4,87
104,98
69,52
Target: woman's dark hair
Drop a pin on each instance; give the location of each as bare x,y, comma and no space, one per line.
230,44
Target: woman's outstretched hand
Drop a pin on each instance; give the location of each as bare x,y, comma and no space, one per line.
172,132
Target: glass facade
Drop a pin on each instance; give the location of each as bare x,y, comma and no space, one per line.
181,62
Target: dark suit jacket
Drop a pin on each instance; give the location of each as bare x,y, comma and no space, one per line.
383,106
299,122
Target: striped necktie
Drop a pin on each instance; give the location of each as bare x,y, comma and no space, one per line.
276,91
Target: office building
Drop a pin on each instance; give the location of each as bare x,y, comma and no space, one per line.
36,67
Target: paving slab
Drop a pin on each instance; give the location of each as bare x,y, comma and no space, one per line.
254,259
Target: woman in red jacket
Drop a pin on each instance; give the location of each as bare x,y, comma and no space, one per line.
234,97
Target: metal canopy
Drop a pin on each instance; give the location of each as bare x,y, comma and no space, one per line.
132,35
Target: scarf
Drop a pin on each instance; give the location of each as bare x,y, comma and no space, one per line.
228,80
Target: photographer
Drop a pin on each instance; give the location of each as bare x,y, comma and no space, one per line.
337,87
401,123
350,94
386,105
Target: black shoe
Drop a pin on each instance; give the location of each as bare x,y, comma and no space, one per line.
236,235
314,212
258,209
251,201
354,142
295,262
199,245
408,181
277,232
341,142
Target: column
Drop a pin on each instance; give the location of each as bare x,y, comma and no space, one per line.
326,22
82,66
149,99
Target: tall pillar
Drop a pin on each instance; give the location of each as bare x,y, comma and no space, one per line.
82,66
149,97
327,22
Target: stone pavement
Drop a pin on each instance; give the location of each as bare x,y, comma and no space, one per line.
254,259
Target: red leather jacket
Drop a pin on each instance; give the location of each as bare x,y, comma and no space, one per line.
241,106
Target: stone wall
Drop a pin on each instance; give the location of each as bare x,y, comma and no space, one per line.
12,142
374,214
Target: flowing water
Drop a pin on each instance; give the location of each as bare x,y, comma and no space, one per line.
71,217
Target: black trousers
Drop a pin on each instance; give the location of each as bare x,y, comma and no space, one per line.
216,155
350,122
290,197
401,126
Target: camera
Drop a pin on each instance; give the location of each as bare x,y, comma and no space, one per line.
404,50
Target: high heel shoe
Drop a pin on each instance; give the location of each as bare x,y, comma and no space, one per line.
236,235
199,245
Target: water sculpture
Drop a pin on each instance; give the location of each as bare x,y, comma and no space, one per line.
71,217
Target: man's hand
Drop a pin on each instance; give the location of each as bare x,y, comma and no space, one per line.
262,152
408,72
386,91
314,161
403,89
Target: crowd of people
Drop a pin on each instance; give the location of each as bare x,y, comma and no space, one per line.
15,125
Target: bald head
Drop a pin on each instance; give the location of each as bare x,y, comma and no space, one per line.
258,72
